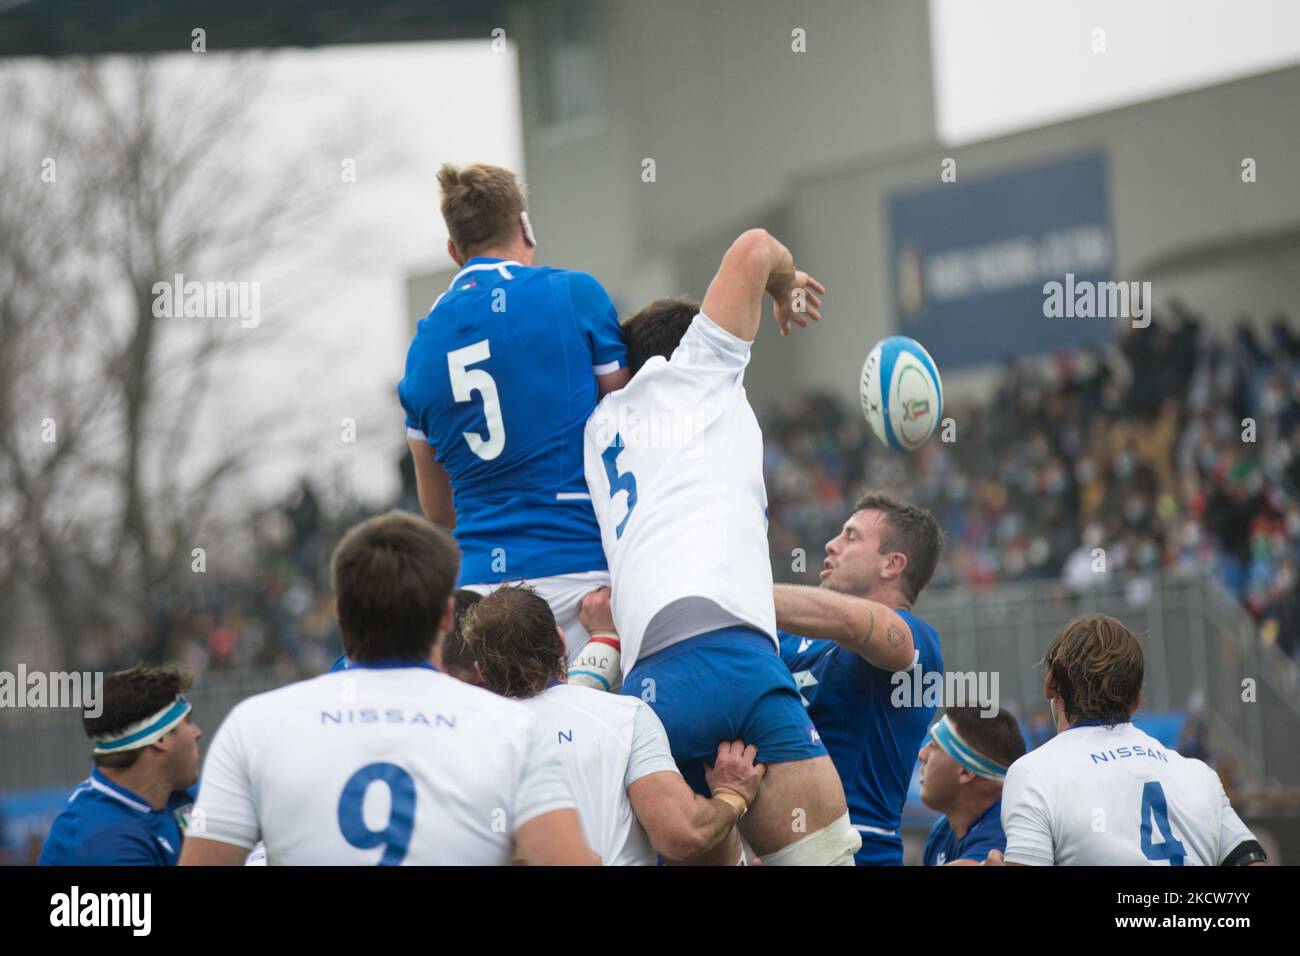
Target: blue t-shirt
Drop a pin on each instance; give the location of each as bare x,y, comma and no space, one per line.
500,380
872,743
985,834
107,825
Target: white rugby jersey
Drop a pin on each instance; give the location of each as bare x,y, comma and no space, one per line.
391,765
1114,796
605,742
674,463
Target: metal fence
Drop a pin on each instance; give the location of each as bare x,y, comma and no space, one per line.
1200,647
1202,654
48,748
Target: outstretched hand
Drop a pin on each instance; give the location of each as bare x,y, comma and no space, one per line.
797,301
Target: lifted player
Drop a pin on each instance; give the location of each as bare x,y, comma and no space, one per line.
683,523
499,382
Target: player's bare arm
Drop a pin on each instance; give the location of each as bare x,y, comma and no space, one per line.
757,263
432,484
554,839
682,824
199,851
613,381
869,629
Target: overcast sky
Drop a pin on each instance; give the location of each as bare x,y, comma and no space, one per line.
1003,65
402,110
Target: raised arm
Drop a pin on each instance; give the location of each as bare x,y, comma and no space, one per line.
869,629
756,263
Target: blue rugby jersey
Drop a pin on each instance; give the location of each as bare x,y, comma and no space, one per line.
500,380
872,743
985,834
105,824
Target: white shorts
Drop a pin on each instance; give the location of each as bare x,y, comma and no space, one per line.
564,593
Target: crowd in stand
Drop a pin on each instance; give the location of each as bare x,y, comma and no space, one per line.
1176,451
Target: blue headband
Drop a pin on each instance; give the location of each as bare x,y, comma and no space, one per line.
143,732
946,739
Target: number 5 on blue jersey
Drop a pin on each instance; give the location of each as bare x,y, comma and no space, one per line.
624,482
465,381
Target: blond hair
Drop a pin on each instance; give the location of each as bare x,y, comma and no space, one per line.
480,205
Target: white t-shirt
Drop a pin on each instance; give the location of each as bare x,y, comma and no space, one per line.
605,742
402,765
674,463
1114,796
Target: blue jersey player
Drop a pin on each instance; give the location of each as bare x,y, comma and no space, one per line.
133,809
963,765
499,382
848,643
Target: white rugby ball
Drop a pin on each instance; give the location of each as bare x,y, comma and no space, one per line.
901,393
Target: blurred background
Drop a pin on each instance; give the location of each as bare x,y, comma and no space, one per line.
171,487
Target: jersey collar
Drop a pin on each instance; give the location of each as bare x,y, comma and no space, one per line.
485,262
117,792
1095,722
387,664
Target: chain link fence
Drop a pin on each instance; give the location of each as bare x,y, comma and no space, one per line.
1202,656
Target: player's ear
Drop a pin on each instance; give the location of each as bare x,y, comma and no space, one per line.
448,620
564,645
526,229
455,253
895,565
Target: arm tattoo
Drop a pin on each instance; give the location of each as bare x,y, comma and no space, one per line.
895,636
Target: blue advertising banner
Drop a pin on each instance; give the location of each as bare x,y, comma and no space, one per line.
970,260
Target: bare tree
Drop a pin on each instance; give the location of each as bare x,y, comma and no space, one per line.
117,180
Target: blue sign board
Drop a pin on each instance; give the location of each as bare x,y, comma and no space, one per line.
970,259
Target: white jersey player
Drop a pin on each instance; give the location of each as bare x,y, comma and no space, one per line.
1102,792
674,466
632,801
388,762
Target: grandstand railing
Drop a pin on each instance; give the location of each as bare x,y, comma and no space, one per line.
1201,649
1200,645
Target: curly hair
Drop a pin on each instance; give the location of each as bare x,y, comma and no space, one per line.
1096,665
512,635
132,695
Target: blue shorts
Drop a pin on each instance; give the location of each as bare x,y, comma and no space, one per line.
879,850
728,684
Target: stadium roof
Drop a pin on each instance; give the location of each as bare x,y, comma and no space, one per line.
84,27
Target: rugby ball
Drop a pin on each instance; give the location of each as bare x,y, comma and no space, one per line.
901,393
